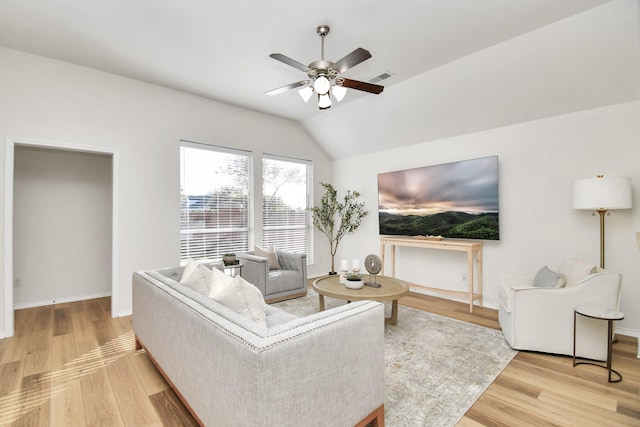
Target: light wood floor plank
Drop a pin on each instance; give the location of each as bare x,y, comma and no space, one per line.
38,357
133,401
151,379
99,402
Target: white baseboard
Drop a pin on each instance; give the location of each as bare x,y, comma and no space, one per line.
75,298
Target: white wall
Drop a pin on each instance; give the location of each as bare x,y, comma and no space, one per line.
62,225
56,101
538,162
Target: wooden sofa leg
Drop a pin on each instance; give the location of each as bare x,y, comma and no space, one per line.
374,419
138,344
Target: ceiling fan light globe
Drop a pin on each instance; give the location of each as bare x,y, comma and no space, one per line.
305,93
322,85
339,92
324,101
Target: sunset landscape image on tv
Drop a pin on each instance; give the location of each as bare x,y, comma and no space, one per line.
453,200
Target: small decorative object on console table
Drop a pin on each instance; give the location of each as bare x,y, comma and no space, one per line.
595,312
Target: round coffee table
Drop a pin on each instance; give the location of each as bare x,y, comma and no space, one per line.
392,289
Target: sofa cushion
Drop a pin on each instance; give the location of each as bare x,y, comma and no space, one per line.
575,270
196,276
242,297
270,254
547,278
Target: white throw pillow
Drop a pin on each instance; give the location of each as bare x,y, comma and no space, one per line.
243,298
196,276
575,270
270,254
218,282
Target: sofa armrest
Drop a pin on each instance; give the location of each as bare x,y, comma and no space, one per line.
255,270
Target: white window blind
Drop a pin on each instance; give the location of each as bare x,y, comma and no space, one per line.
214,201
285,198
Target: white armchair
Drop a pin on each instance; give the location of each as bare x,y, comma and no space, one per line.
541,318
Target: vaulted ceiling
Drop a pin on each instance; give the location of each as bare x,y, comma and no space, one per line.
219,49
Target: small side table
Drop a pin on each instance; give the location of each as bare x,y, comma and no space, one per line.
233,269
601,313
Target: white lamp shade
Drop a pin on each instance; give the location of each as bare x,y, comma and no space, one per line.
324,101
306,93
339,92
613,192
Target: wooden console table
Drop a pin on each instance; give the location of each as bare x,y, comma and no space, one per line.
472,248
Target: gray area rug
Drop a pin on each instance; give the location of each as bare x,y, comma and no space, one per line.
435,367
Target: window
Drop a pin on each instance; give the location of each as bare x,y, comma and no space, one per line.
285,199
214,201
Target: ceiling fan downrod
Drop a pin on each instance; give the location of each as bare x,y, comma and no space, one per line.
322,31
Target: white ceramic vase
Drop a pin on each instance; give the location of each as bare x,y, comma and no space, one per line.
354,284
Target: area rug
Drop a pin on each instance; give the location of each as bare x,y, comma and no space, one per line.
435,367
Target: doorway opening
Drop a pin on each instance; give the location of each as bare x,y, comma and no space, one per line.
24,145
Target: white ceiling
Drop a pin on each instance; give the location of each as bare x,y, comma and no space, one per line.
220,49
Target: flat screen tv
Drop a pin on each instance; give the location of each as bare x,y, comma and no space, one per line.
453,200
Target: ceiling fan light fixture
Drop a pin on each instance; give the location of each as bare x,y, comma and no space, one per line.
322,85
338,92
324,101
305,93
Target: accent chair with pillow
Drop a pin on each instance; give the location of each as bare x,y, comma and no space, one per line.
536,311
279,275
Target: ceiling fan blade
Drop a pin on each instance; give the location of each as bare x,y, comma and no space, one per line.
287,87
354,58
364,86
292,62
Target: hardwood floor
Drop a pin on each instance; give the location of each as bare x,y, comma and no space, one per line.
72,364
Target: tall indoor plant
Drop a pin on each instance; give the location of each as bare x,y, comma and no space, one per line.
337,219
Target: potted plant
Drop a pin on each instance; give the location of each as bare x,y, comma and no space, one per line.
229,259
337,219
354,281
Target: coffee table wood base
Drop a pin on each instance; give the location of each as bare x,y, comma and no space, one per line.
393,320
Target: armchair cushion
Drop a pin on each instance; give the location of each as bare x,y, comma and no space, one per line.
270,254
575,270
547,278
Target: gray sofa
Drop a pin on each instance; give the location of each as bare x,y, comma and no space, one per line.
323,369
276,285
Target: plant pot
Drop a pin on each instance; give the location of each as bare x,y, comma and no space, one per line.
354,284
229,259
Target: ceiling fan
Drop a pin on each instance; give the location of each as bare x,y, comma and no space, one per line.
324,76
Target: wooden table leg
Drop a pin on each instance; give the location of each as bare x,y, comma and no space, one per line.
393,320
321,300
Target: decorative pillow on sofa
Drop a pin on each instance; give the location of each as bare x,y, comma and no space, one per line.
575,270
217,282
196,276
243,298
270,254
547,278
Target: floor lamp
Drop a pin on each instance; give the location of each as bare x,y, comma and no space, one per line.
602,194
